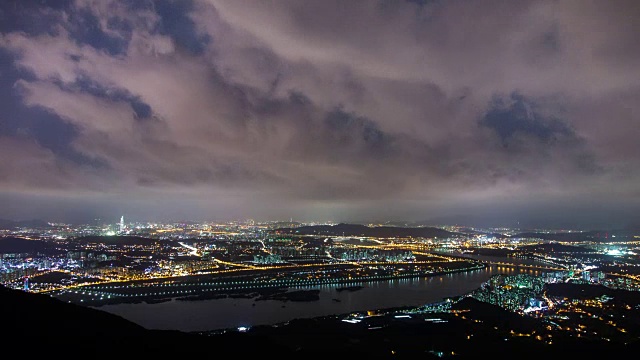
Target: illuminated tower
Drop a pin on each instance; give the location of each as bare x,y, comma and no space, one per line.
26,283
121,224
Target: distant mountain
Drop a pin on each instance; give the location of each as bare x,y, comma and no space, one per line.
362,230
594,235
19,245
32,224
479,219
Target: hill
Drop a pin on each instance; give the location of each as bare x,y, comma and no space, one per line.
367,231
20,245
41,325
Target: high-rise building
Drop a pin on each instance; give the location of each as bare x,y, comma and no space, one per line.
121,224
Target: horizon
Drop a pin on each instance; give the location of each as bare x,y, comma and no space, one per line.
427,111
307,222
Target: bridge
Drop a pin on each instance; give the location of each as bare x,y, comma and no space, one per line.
533,267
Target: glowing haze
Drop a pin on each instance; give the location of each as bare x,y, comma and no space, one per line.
451,111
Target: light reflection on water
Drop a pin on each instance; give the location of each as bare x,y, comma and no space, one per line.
231,312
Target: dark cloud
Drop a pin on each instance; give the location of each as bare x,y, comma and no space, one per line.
32,16
176,22
84,27
516,116
87,85
325,109
34,123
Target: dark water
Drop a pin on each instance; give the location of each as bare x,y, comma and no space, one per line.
232,313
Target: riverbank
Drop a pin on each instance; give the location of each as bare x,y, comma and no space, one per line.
227,313
159,292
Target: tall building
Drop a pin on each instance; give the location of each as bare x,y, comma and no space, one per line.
121,224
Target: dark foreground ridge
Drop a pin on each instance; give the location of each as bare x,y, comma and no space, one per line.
41,325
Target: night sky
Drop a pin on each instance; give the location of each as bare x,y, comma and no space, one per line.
468,112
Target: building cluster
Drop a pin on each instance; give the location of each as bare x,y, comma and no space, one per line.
515,293
16,266
289,252
268,259
368,254
524,293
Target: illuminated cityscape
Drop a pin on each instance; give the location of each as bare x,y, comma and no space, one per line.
320,179
153,262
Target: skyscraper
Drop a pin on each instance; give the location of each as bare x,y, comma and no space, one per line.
121,224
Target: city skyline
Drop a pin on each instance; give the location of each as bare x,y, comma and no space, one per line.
474,113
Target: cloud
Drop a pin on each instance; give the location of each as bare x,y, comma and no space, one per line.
407,107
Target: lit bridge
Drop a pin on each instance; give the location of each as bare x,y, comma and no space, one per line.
533,267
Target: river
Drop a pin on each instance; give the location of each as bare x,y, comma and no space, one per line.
227,313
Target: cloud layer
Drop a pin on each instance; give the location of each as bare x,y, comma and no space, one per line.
321,109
